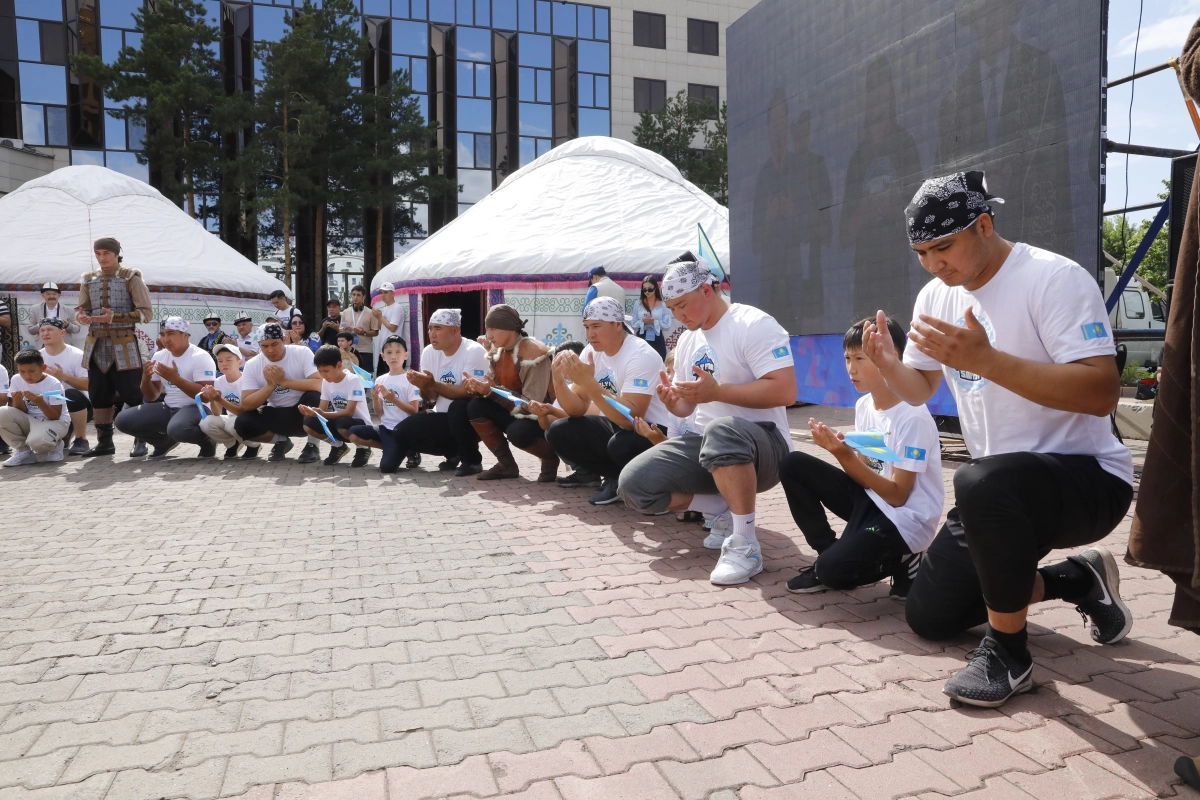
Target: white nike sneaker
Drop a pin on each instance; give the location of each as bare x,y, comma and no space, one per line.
22,457
722,526
56,454
739,562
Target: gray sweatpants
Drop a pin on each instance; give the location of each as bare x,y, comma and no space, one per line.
155,422
20,429
685,463
220,429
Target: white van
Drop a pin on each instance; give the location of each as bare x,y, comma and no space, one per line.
1138,309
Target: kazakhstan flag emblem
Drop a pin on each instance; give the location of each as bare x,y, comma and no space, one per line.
1095,330
914,454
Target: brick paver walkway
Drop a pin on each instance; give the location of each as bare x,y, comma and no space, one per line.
203,630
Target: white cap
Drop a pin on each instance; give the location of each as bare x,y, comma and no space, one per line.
50,286
229,347
387,287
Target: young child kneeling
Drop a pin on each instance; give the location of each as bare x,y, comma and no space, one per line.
398,399
34,424
343,405
891,509
224,400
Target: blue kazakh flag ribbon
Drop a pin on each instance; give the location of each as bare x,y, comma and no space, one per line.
200,405
509,396
368,381
325,427
624,410
870,445
707,252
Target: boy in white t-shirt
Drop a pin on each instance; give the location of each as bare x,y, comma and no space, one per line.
5,450
65,364
891,509
175,373
37,420
224,400
343,406
1021,337
398,399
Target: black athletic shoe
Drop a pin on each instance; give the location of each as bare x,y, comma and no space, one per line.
139,448
413,461
467,470
607,494
578,479
806,582
161,450
280,449
448,464
902,581
361,456
231,452
208,449
1102,607
335,455
991,677
1186,768
252,452
310,454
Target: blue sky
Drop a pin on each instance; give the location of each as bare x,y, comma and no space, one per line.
1159,115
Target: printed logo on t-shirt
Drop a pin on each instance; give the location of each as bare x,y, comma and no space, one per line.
281,390
706,359
447,377
605,378
233,399
780,352
969,381
1094,330
914,454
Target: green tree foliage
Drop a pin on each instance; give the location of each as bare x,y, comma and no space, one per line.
1121,240
172,87
672,133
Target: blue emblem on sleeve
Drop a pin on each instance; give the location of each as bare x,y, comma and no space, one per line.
208,373
1095,330
478,373
780,352
641,383
914,454
358,393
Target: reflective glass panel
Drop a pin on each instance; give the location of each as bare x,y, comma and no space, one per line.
483,80
528,84
410,38
29,40
466,78
114,132
543,146
483,14
420,10
399,63
483,151
534,50
420,74
536,120
585,90
528,151
115,13
47,9
564,19
602,91
56,127
474,115
602,24
94,158
133,40
422,105
474,44
594,122
441,10
504,14
269,23
585,22
43,83
593,57
399,8
465,153
466,14
543,85
33,124
110,44
543,16
127,164
476,184
528,21
377,8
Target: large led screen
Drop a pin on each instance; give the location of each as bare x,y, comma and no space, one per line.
838,109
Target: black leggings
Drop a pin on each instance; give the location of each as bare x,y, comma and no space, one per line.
1011,510
76,401
522,433
596,444
104,387
287,421
870,548
448,434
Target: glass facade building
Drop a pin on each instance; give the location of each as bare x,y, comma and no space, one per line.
504,80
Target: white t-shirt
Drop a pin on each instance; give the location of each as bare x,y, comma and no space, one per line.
633,370
395,315
297,364
912,434
392,415
46,384
70,361
231,391
742,347
470,357
3,380
346,391
249,342
195,364
1043,308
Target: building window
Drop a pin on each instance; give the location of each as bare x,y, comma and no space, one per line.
649,30
649,95
698,93
702,37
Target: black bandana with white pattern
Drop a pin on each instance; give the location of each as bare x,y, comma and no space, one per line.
945,206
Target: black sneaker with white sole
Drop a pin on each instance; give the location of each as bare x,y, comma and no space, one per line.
806,582
903,578
335,455
309,454
579,479
279,450
607,494
991,677
1102,608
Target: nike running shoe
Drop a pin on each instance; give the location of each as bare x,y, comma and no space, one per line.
991,677
1102,608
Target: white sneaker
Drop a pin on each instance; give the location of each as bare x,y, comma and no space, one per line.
21,458
721,527
739,562
56,454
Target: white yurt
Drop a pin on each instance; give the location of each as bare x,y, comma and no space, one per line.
594,201
48,226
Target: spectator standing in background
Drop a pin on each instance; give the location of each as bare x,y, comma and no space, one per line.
651,319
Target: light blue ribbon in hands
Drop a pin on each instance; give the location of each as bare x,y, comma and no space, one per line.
871,445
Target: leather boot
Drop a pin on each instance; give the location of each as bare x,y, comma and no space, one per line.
493,437
104,443
542,449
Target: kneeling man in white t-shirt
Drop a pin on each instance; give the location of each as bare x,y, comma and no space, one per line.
733,371
1021,336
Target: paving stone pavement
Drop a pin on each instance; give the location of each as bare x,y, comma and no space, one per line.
278,632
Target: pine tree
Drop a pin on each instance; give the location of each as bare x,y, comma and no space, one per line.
672,133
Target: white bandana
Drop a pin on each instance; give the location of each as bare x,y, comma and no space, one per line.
604,309
684,277
174,324
450,317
